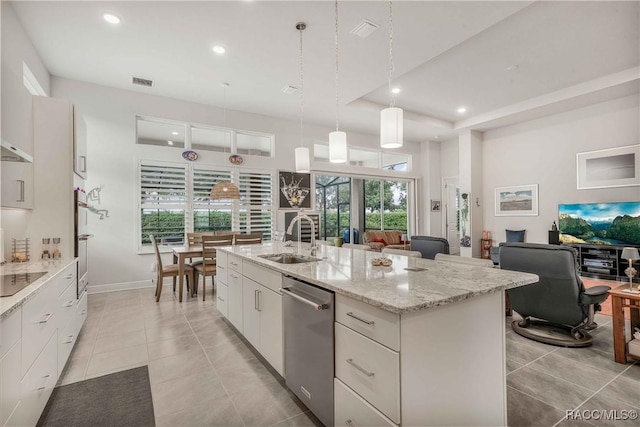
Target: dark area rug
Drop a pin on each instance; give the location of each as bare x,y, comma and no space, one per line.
120,399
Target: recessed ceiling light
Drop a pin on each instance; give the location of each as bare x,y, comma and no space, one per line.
111,19
395,90
170,142
462,110
174,133
219,50
513,67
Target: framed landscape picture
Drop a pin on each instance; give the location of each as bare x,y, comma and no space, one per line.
521,200
613,167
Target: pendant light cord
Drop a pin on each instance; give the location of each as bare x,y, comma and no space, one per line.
392,99
337,68
301,26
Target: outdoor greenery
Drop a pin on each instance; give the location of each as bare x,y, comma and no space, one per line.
161,224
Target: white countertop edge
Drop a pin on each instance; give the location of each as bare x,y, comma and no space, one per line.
10,304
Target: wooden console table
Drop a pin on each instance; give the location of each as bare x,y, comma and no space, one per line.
485,248
620,300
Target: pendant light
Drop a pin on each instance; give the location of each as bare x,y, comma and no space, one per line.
337,139
391,127
302,153
225,190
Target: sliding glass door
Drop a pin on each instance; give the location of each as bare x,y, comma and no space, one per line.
385,205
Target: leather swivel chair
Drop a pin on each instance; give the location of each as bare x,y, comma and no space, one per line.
429,246
559,302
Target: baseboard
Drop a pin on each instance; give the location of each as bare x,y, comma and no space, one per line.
112,287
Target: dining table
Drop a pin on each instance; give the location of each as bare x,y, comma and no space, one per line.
180,254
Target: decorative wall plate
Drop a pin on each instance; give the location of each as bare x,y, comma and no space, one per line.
190,155
236,159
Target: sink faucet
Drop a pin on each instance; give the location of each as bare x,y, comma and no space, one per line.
313,230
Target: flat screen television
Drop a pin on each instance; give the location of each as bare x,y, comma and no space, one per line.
616,223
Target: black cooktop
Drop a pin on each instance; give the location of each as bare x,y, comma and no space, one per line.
10,284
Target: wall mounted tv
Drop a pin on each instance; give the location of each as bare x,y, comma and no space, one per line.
600,223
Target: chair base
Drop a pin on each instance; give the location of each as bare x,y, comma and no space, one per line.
552,333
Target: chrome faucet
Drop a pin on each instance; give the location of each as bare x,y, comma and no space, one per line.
313,230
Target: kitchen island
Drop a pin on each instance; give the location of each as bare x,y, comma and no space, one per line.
427,337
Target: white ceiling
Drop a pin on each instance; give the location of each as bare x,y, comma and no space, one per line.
446,54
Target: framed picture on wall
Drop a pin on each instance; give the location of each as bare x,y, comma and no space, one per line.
295,190
613,167
521,200
435,205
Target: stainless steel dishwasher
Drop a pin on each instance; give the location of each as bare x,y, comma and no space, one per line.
308,313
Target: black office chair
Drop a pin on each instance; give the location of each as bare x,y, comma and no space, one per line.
563,308
429,246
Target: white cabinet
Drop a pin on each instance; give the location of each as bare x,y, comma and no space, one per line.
39,323
263,321
222,303
80,145
81,313
10,347
352,410
17,185
235,300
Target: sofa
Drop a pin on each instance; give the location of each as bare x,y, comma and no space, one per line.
378,239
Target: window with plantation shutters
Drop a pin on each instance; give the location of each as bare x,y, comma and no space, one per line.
210,215
256,208
163,202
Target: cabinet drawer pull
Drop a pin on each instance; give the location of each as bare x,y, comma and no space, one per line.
368,322
83,163
46,318
21,191
234,276
349,423
69,340
359,368
69,303
83,312
70,276
221,299
41,388
255,300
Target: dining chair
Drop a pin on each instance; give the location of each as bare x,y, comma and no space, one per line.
392,251
227,233
208,265
195,239
356,246
171,270
248,239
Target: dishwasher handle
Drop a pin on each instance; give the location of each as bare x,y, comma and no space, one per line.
316,306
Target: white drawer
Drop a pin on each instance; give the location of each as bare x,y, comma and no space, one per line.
222,260
66,308
379,325
266,277
234,278
81,312
234,263
39,322
66,339
38,383
222,299
10,331
65,278
370,369
9,382
351,410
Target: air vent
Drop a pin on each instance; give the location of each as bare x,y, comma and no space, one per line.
364,29
289,90
141,82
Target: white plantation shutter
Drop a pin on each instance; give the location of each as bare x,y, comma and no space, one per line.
203,180
256,208
163,201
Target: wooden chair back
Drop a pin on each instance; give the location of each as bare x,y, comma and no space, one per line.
248,239
154,242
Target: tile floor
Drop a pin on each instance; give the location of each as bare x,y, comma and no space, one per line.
203,374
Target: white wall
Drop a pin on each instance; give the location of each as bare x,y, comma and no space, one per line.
16,123
544,151
430,188
112,153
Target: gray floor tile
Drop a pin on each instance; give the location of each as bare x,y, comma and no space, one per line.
523,353
123,358
180,393
623,389
120,327
633,372
266,404
193,362
306,419
592,357
573,371
242,375
168,332
574,420
108,342
172,347
523,410
218,412
546,348
551,390
513,365
599,402
228,351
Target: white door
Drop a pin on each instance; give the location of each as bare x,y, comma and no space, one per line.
450,192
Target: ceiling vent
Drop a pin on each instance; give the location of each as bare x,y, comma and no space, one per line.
141,82
364,29
289,90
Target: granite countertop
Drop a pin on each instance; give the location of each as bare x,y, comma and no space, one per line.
349,272
12,303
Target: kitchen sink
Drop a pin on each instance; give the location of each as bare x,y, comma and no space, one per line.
289,258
